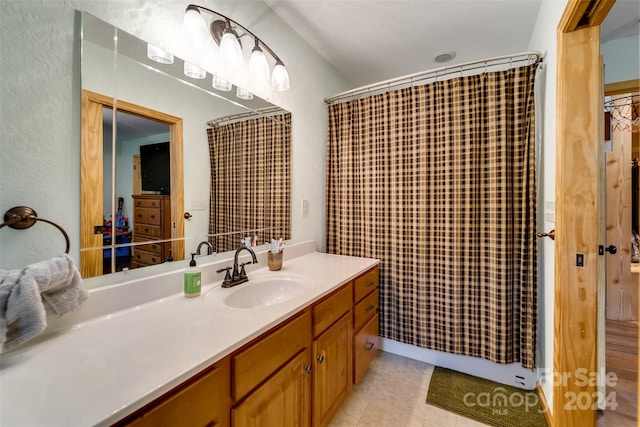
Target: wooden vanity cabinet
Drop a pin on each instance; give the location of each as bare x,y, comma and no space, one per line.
271,377
283,400
365,320
203,400
331,354
298,373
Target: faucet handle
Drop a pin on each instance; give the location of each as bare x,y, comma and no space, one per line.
227,277
243,274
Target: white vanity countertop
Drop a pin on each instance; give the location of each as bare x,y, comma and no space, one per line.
97,372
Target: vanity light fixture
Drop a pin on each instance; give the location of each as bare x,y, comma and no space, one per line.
258,63
194,71
227,34
230,47
243,93
159,55
220,83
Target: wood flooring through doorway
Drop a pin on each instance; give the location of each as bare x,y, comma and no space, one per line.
622,358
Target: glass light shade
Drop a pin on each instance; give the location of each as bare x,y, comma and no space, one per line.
159,55
196,29
221,84
280,78
194,71
230,49
258,65
243,93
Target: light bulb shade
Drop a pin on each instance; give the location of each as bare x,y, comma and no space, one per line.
258,65
280,78
194,71
230,49
159,55
220,83
243,93
195,28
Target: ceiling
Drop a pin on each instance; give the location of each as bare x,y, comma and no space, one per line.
376,40
368,41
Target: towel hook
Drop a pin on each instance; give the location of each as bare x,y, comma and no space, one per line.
21,217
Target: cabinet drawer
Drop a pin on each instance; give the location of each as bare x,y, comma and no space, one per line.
152,216
365,348
366,309
147,230
147,203
199,403
147,216
146,258
256,363
152,248
364,284
331,309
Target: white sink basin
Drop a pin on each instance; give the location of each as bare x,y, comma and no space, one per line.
264,292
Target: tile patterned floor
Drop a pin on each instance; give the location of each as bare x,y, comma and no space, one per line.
393,393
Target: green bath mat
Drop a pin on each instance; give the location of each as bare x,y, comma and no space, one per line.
485,401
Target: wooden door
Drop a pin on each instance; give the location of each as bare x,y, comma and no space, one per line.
91,178
136,185
332,366
283,400
621,290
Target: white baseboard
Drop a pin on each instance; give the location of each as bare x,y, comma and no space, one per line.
512,374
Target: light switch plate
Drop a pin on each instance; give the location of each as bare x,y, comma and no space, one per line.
304,207
550,211
197,205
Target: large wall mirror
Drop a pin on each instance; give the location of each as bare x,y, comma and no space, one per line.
168,161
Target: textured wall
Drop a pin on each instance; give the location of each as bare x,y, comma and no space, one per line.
621,59
543,39
40,108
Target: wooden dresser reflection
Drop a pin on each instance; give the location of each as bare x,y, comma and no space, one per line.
151,222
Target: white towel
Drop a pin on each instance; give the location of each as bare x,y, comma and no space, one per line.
28,295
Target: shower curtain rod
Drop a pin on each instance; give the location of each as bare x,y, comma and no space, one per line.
267,111
423,77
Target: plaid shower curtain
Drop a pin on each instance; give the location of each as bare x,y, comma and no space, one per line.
438,181
250,180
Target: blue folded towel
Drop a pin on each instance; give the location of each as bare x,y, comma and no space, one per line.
27,296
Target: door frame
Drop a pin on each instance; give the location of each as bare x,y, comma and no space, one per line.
579,101
91,176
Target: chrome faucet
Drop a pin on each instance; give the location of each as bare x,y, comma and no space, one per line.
209,248
239,275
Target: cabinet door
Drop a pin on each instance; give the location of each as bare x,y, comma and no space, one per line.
203,402
254,364
365,348
283,400
332,366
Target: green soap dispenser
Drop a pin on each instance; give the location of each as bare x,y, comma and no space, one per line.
192,279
